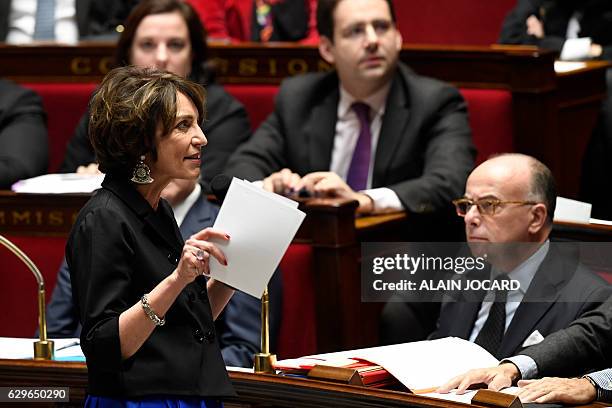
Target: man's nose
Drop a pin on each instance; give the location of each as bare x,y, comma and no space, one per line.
472,216
371,36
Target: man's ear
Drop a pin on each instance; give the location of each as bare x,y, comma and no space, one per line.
539,218
326,49
399,41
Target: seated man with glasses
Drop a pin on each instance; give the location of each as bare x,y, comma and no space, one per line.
508,210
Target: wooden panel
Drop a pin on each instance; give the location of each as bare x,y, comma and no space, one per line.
253,390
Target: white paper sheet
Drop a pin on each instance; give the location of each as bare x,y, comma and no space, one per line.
467,397
261,226
425,364
22,348
59,184
572,211
568,66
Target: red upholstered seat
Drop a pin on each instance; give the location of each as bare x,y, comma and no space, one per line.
19,289
451,21
64,103
257,99
297,335
490,115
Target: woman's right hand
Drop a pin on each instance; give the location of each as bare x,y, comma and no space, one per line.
195,258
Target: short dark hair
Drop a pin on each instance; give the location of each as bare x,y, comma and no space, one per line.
325,16
197,32
129,108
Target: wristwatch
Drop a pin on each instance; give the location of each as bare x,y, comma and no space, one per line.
601,394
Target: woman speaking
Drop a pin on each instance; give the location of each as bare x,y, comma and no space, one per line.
146,310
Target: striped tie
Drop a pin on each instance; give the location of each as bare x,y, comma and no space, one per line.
45,20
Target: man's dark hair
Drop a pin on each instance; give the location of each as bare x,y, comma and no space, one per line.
325,16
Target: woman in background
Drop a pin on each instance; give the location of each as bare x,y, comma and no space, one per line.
168,35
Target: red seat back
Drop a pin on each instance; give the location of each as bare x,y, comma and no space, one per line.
297,335
257,99
64,103
19,289
474,22
490,115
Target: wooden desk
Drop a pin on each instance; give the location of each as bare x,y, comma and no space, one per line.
331,228
253,390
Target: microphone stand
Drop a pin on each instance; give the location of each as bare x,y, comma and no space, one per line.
43,349
264,361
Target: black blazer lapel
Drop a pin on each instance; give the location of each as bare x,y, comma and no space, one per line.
464,319
136,202
395,120
321,130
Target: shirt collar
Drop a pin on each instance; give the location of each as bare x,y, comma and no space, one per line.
525,272
376,101
181,210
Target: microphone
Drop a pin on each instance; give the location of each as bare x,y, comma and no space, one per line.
219,186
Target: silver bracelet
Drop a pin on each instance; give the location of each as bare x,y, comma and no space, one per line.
144,302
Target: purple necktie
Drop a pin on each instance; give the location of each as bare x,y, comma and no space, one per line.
357,176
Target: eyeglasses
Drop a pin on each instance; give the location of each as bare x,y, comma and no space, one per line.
486,206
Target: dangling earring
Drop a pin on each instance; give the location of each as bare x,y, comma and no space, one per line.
142,173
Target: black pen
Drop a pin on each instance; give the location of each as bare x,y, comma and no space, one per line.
74,343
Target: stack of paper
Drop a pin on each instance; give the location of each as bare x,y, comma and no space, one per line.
59,184
421,366
261,226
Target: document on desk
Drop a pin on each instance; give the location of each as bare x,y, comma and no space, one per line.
421,366
59,184
22,348
261,226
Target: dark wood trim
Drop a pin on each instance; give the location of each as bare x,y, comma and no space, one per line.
254,390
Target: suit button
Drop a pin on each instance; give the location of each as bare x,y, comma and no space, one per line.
197,334
209,336
173,259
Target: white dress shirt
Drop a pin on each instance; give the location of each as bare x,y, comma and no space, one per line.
345,140
575,48
22,21
524,273
181,210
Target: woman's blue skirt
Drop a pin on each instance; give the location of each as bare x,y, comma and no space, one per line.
178,402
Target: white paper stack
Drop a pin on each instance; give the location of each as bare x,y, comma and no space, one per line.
421,366
59,183
261,226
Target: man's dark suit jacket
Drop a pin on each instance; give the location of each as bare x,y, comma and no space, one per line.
564,291
424,152
96,19
24,150
238,327
226,126
119,249
585,345
595,22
